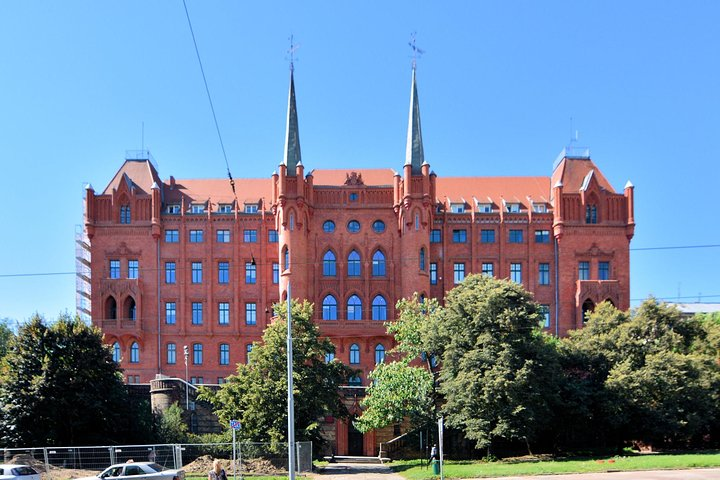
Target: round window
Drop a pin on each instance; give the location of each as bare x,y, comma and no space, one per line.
329,226
379,226
353,226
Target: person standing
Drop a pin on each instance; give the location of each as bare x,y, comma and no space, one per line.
217,472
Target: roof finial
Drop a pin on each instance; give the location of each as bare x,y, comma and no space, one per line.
291,51
416,51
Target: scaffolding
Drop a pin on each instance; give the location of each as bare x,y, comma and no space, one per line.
82,275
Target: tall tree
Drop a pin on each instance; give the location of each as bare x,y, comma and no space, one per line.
656,373
6,335
499,371
62,387
257,394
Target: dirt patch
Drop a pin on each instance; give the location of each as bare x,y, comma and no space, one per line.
55,473
202,465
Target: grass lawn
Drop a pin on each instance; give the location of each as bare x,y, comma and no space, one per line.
412,469
245,476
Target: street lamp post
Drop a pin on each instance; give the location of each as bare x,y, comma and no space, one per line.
186,350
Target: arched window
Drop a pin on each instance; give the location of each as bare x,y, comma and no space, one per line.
354,354
329,308
125,214
379,308
224,354
379,226
134,353
353,226
354,308
329,357
353,264
329,264
292,222
328,226
378,266
171,354
116,352
422,259
379,353
286,258
591,213
111,308
130,308
587,307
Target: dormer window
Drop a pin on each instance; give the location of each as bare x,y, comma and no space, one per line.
485,207
173,208
512,207
125,214
225,208
539,208
457,207
591,214
197,208
251,208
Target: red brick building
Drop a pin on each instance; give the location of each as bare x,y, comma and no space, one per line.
188,262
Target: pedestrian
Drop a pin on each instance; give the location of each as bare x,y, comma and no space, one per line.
433,454
217,472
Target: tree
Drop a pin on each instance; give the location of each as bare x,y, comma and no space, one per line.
499,372
62,387
403,387
6,335
257,394
171,428
656,373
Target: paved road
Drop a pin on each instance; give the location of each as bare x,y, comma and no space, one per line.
360,471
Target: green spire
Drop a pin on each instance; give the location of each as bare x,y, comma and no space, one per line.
414,154
292,156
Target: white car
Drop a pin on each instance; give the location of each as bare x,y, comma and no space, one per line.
18,472
138,471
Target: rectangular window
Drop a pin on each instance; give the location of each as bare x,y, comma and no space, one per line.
251,208
133,269
275,273
169,272
197,208
542,236
171,354
512,207
487,236
516,272
433,274
250,236
196,236
539,208
544,274
172,208
197,380
272,236
114,268
224,313
250,313
435,235
172,236
604,271
197,357
225,208
125,214
488,269
485,207
170,313
516,236
545,312
458,272
457,207
197,313
250,272
196,272
224,354
459,236
223,236
223,272
584,271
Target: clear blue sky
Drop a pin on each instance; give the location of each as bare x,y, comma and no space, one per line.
498,85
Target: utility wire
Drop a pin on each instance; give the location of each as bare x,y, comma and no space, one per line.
212,107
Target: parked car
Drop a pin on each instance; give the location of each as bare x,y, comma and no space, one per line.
18,472
138,471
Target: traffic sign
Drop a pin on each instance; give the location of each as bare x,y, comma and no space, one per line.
235,424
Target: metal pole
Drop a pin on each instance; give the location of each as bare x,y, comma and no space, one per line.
234,462
290,400
186,350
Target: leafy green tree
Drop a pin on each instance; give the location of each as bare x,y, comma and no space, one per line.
499,371
6,335
257,394
655,373
62,387
171,428
403,387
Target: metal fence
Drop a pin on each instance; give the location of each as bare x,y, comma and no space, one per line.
252,458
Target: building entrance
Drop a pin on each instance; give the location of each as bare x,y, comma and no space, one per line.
355,441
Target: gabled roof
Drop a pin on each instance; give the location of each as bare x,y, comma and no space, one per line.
138,173
372,177
573,173
510,189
